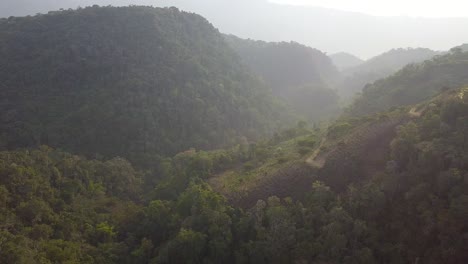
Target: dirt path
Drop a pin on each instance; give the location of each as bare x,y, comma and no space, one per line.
413,112
311,160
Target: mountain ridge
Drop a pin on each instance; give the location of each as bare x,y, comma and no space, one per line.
115,81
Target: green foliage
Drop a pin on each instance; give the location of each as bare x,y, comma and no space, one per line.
134,82
52,211
339,129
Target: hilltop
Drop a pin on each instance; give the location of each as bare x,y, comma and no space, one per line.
381,66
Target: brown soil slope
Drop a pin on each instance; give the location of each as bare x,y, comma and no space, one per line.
357,156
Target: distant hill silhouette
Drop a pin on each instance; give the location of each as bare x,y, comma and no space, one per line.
343,60
301,75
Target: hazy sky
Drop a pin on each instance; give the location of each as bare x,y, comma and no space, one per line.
415,8
327,25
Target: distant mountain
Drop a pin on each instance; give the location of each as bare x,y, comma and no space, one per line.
133,82
284,64
414,83
386,64
299,74
343,60
393,60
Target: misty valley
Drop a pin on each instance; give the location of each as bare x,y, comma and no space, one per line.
141,134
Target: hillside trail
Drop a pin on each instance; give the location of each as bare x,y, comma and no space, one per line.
413,112
311,159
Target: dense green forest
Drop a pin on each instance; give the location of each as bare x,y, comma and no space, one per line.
142,135
381,66
62,208
303,76
414,83
135,82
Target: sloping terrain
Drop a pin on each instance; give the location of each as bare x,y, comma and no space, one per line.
353,151
266,169
135,82
381,66
292,180
301,76
285,64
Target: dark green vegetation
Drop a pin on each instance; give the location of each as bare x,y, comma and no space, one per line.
60,208
133,82
389,188
301,75
414,83
384,65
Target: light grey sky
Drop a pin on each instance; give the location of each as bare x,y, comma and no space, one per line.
414,8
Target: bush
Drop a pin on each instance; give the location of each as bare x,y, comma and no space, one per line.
282,159
304,150
248,166
309,142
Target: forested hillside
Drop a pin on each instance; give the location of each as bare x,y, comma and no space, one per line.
59,208
142,135
133,82
301,75
413,84
381,66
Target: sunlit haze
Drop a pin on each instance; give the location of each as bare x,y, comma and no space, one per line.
414,8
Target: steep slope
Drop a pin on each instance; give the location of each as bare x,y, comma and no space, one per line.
413,84
284,64
381,66
343,60
300,74
133,82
